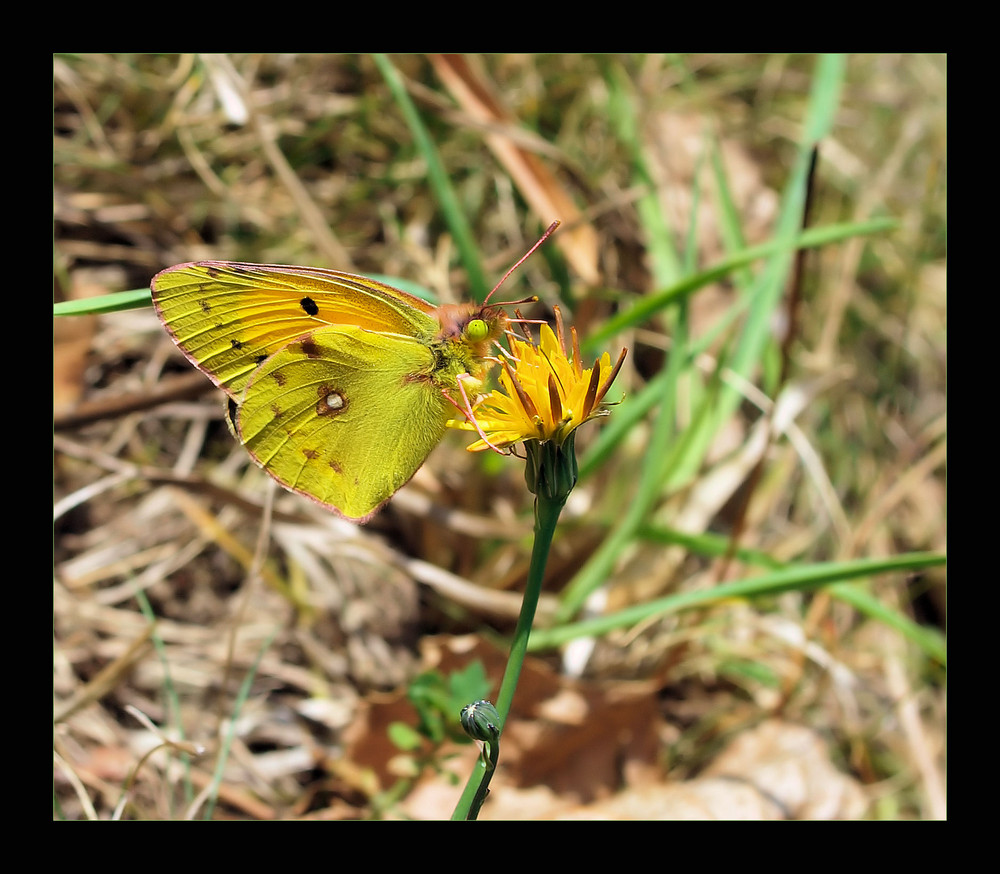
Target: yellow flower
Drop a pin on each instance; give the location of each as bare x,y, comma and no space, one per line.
545,396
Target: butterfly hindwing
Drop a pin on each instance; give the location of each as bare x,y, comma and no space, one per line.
344,415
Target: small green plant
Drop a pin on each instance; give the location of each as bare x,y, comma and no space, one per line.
438,700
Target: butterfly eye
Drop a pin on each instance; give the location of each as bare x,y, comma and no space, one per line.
477,330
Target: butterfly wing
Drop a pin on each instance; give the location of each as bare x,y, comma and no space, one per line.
344,416
229,317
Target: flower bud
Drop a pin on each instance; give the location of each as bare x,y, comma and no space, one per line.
480,721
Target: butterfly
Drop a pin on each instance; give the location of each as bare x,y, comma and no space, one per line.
339,386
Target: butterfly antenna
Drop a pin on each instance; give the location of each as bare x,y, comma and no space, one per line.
548,233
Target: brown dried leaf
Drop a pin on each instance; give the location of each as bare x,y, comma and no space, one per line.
538,185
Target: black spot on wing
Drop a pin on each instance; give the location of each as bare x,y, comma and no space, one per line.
310,349
309,306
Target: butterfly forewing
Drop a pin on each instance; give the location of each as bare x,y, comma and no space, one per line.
229,317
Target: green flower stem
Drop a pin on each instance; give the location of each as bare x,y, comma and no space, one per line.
546,516
547,510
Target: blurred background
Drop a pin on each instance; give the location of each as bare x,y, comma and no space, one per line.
782,423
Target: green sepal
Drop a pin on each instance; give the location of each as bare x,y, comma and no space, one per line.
551,470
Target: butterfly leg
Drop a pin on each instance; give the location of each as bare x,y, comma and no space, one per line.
467,411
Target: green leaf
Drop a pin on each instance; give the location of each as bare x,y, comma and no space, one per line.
404,737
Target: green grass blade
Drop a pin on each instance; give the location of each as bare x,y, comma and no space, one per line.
444,192
227,740
710,545
798,578
930,640
664,263
170,694
649,305
105,303
601,563
767,292
730,228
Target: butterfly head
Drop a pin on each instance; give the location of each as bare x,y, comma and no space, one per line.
476,327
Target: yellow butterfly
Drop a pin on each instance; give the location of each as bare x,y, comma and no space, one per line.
339,385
